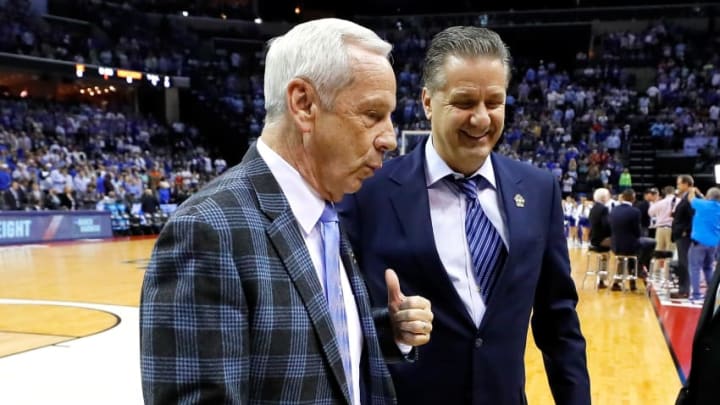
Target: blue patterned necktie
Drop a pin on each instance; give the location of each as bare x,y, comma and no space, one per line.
487,249
330,232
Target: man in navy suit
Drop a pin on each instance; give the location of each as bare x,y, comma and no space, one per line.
626,229
479,235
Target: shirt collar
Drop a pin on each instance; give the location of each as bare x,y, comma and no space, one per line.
436,169
306,204
626,203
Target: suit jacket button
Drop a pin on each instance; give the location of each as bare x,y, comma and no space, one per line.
478,342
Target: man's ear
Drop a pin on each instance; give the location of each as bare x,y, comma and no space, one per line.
302,104
426,102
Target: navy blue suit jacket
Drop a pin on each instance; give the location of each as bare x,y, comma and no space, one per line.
625,228
389,225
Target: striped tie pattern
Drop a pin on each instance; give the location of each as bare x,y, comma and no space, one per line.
486,247
330,232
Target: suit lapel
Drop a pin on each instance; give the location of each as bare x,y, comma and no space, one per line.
284,234
412,207
509,187
376,368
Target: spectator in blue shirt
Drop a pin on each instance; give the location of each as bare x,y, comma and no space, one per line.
5,177
705,237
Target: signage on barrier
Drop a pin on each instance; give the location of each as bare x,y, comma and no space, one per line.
48,226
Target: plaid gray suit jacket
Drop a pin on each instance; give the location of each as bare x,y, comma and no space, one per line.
232,311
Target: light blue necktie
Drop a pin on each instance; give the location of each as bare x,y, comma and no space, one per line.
487,249
330,232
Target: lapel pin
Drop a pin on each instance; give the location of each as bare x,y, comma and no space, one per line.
519,201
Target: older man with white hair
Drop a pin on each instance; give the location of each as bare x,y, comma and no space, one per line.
599,225
252,294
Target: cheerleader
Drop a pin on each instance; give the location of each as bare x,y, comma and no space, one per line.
583,214
569,206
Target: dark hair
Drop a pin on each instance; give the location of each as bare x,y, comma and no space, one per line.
464,42
686,179
628,195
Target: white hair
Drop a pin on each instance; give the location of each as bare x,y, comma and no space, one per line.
316,51
601,195
713,194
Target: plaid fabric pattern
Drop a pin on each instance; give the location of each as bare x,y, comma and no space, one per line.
232,311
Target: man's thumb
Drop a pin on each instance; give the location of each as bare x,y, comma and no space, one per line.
393,286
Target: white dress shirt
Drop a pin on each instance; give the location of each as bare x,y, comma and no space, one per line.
662,211
447,212
307,207
611,204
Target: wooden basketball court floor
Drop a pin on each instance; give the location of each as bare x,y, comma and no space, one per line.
69,331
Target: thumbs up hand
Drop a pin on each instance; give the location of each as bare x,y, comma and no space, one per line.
411,317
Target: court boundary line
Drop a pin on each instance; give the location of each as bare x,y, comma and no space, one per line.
666,336
38,333
69,304
83,241
4,356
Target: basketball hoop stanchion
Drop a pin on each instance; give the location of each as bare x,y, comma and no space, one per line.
409,139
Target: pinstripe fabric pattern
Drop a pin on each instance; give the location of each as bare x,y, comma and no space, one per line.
484,242
232,311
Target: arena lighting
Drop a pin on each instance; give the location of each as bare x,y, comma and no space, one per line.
717,174
106,72
130,76
153,78
185,13
258,20
123,74
223,16
297,10
23,94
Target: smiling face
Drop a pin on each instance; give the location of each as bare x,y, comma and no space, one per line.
468,111
347,144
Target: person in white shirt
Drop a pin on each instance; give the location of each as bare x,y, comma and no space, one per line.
661,215
569,205
58,179
612,203
252,294
582,213
220,165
